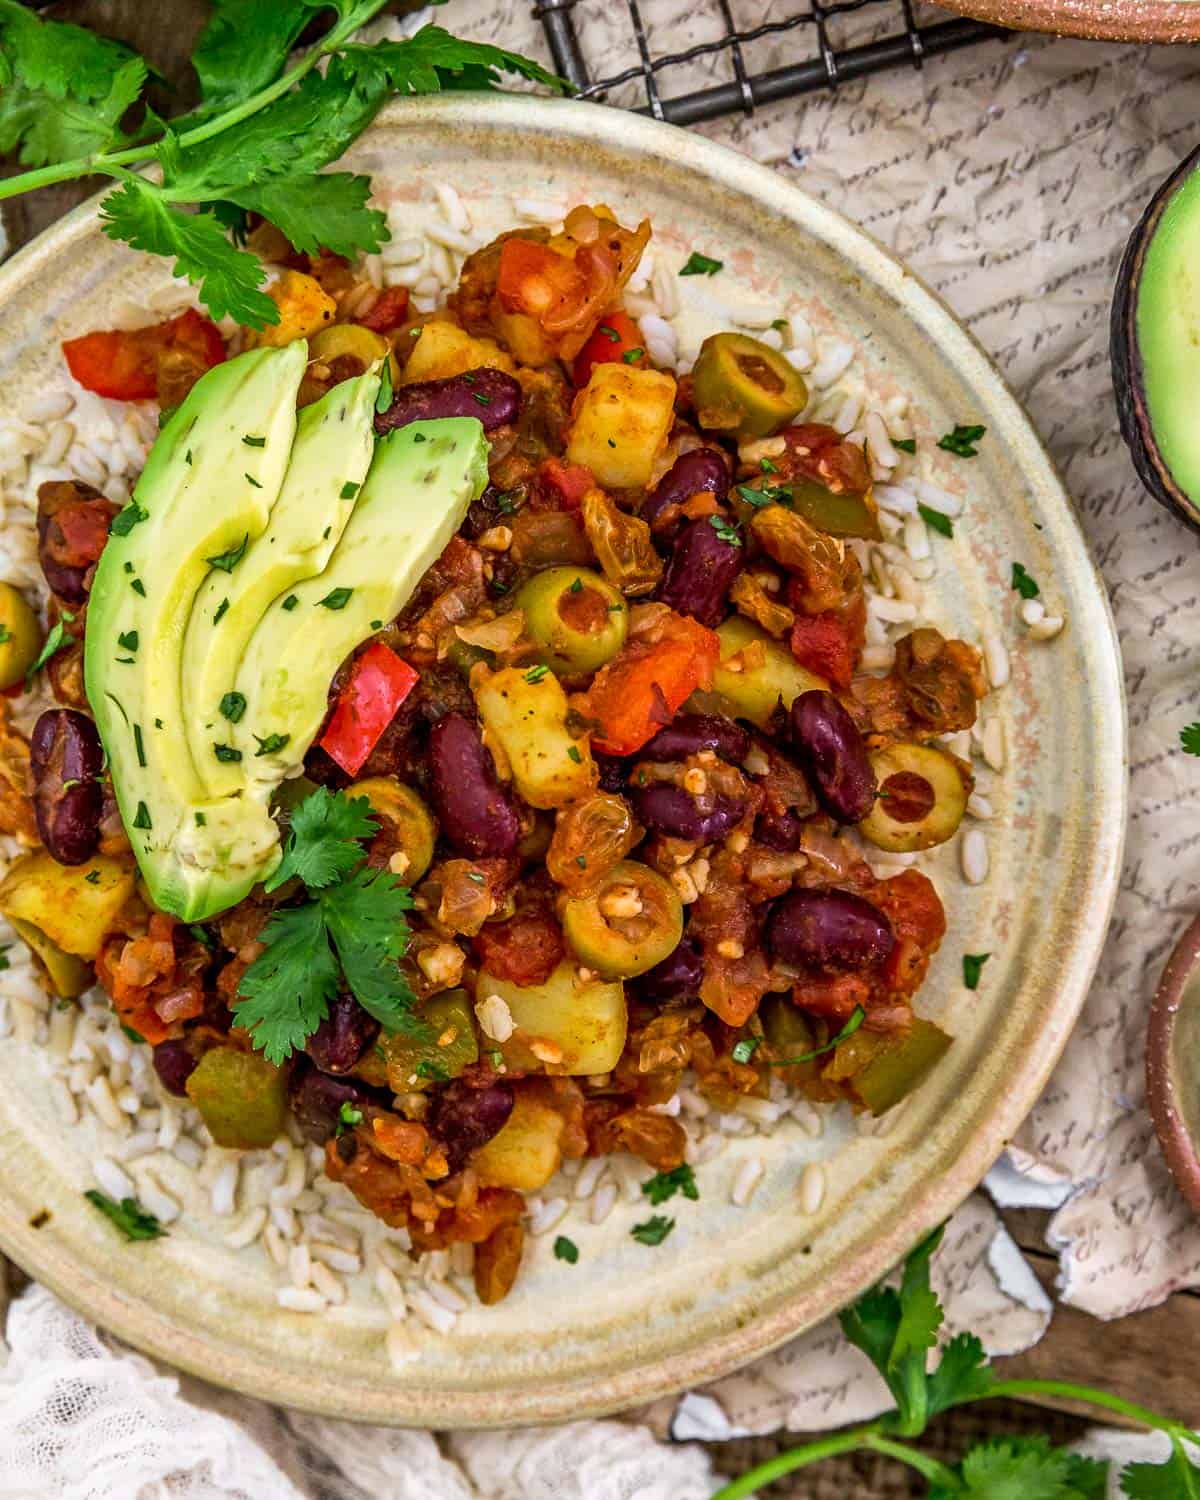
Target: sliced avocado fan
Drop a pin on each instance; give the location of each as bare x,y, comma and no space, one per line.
203,497
332,451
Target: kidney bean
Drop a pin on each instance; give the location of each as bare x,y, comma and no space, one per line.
72,528
490,395
833,755
173,1062
614,772
464,1118
829,930
701,470
66,760
342,1037
677,977
700,572
688,734
670,810
317,1100
779,830
473,809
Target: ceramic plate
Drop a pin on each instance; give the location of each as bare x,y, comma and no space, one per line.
629,1322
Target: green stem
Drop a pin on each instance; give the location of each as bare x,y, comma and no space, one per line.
1068,1392
102,161
796,1458
934,1471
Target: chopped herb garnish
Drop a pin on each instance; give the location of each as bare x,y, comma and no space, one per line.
250,479
1023,583
481,398
419,437
158,723
581,861
348,1118
848,1030
565,1249
4,964
232,706
226,753
664,1185
138,746
128,640
962,440
973,967
576,587
129,567
134,1036
496,1058
93,876
610,334
227,561
701,265
573,754
325,533
349,490
141,818
220,611
125,520
290,602
726,530
905,445
1189,739
631,356
653,1231
767,466
612,442
129,1216
477,876
187,457
768,495
376,624
201,820
54,642
780,325
938,519
6,635
384,397
336,599
254,442
430,1068
535,674
202,935
745,1049
138,587
509,501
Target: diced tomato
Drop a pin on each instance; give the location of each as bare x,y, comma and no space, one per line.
914,908
833,997
644,686
79,532
823,644
389,312
536,280
616,336
378,684
565,484
524,950
126,363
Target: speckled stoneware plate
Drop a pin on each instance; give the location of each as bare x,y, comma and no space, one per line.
630,1322
1173,1063
1099,20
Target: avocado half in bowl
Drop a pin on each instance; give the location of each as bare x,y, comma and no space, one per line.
1155,341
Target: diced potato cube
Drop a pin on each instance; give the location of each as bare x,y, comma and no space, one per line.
567,1025
524,1154
522,335
74,911
622,418
304,308
444,349
525,711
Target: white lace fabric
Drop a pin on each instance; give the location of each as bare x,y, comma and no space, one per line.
83,1418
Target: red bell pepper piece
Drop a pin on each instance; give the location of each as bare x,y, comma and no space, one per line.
389,312
124,363
616,336
378,684
565,484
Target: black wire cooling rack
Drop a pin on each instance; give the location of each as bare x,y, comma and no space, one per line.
903,42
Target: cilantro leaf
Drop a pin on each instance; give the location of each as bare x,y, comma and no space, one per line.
56,639
1189,739
973,968
244,46
228,278
1177,1479
1023,583
937,519
365,918
284,995
325,842
664,1185
325,210
129,1216
565,1249
701,265
961,1375
962,440
653,1231
1023,1468
433,59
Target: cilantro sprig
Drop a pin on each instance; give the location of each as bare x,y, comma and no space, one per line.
351,931
897,1328
134,1222
255,143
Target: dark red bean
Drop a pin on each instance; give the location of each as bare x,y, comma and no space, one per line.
317,1100
701,570
173,1062
490,395
463,1118
677,977
701,471
342,1037
72,519
829,930
614,772
688,734
670,810
473,809
779,830
66,759
833,755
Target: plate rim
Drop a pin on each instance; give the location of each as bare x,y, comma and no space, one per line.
242,1369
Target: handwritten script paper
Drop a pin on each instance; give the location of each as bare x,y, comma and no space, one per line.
1009,177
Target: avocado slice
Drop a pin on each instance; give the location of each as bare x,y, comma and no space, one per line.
423,478
204,495
335,440
1155,343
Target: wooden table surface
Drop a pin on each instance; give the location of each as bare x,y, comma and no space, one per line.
1130,1358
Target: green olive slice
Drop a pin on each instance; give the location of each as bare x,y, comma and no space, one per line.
404,822
745,387
922,798
20,636
577,618
629,924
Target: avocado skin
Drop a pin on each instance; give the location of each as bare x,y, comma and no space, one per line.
1133,411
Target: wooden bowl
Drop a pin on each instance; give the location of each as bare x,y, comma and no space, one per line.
1098,20
1173,1063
